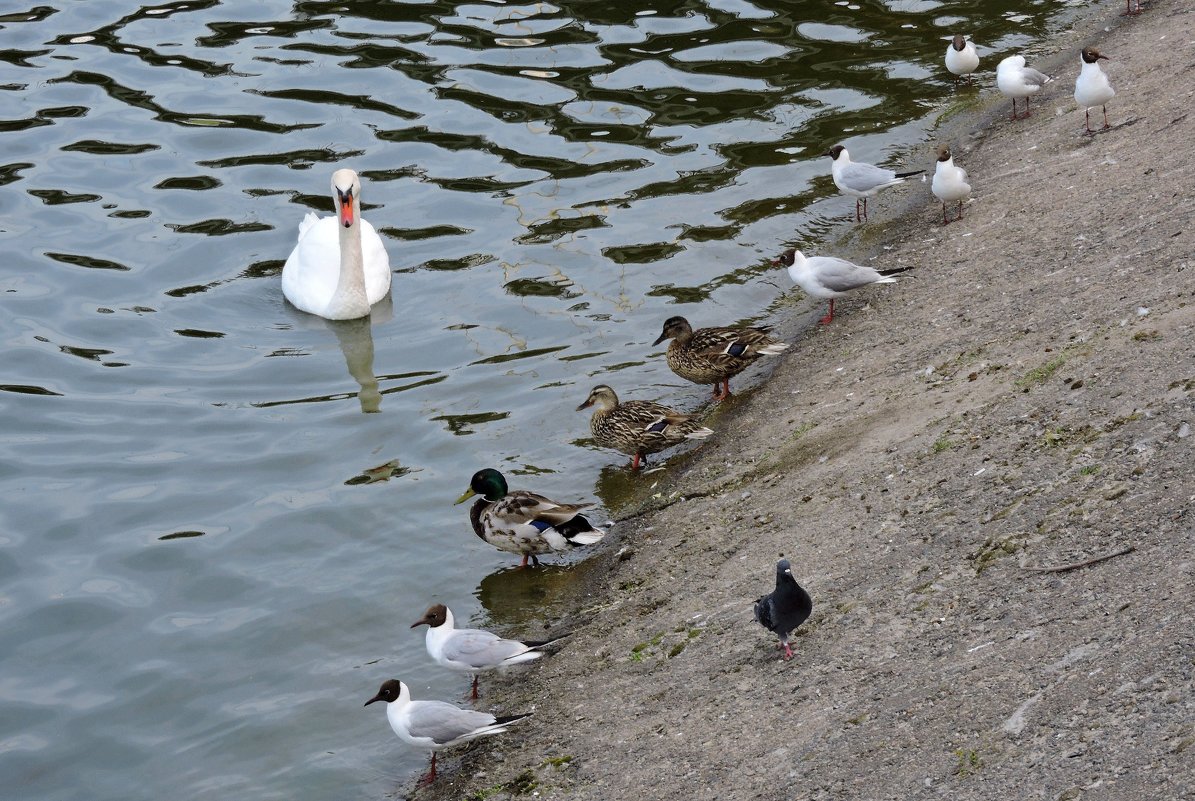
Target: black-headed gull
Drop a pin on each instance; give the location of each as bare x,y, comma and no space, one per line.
714,355
1015,80
525,522
861,180
961,58
1092,87
950,182
784,608
829,277
472,650
434,725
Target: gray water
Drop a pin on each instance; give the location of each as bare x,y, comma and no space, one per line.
221,515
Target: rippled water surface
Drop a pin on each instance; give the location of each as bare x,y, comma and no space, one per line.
221,515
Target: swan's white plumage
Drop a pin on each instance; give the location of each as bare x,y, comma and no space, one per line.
312,271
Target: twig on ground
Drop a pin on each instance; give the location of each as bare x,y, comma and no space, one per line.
1076,565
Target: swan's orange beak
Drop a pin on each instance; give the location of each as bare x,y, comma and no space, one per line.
346,208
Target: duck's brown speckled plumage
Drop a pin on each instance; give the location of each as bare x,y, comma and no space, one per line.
714,355
638,427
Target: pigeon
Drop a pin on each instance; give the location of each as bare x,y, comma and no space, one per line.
1092,87
961,58
784,608
950,182
434,724
472,650
829,277
862,180
1014,79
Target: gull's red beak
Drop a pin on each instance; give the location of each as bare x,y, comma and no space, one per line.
346,207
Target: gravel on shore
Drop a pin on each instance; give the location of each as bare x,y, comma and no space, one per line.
945,465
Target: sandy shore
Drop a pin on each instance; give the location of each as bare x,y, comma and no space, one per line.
1025,402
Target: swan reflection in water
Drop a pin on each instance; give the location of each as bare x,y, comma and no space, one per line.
355,338
356,343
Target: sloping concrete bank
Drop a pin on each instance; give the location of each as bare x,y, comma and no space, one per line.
1024,403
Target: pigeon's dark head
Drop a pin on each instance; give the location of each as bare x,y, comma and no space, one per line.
783,568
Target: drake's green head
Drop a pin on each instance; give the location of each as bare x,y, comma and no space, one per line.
488,483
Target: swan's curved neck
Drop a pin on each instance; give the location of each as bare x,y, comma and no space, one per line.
349,299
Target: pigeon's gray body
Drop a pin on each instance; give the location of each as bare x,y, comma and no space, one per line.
784,608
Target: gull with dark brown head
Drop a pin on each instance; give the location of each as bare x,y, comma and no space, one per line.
1092,87
472,650
433,725
950,182
961,58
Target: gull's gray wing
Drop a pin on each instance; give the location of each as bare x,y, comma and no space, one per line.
443,723
480,649
861,177
1033,77
840,275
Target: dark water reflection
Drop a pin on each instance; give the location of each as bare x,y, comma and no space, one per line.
222,515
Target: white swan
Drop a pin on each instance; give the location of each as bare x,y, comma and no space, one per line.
339,268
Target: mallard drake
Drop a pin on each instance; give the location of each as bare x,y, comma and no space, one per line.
714,355
523,522
638,427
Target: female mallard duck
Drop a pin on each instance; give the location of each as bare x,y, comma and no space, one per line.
638,427
523,522
714,355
